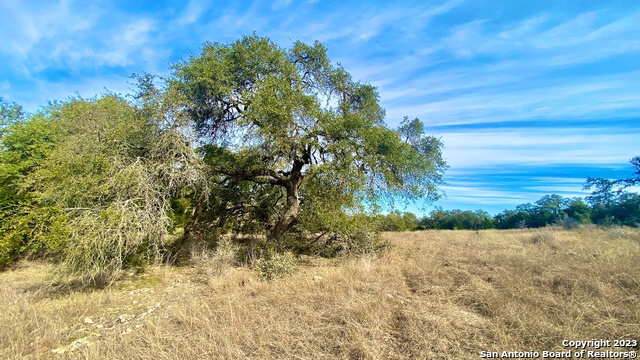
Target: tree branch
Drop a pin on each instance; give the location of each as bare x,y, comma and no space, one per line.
261,176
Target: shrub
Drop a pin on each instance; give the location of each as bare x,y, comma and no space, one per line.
570,223
215,262
32,232
277,266
115,182
364,242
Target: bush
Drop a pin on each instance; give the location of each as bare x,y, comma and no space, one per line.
33,232
117,184
570,223
277,266
364,242
215,262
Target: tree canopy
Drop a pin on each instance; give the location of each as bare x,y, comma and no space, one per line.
10,113
606,190
300,134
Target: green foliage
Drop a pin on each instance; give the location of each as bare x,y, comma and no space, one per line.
93,181
290,133
624,211
32,231
180,212
396,221
25,145
26,225
457,220
548,210
362,241
579,211
555,210
355,234
116,174
277,266
334,235
612,205
10,113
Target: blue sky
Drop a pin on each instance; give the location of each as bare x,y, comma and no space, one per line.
529,97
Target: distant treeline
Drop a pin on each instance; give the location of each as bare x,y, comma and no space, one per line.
549,210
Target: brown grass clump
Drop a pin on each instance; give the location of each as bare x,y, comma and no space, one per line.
545,236
434,295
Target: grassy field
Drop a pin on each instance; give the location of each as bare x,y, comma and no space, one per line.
432,295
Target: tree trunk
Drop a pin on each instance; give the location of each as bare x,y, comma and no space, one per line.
290,216
192,226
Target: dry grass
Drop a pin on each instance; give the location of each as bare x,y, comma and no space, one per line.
434,295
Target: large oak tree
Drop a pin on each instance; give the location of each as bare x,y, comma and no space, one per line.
289,121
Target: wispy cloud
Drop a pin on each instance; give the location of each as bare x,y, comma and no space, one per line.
280,4
480,196
133,38
540,35
29,28
538,147
192,13
575,97
525,70
31,39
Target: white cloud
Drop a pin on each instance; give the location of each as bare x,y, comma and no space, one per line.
361,23
559,180
30,25
573,98
128,44
544,147
42,91
434,11
280,4
484,196
192,13
566,191
237,20
587,35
